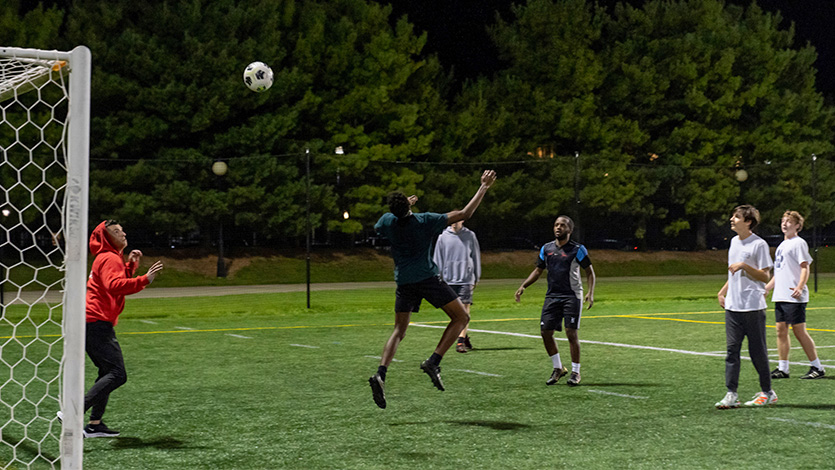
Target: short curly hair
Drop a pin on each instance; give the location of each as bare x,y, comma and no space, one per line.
398,204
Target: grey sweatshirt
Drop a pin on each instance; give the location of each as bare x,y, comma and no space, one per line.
458,256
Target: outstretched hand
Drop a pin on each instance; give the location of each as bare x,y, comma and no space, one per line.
153,270
412,200
488,178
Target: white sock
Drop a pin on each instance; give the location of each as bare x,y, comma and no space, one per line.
784,366
556,360
817,363
575,367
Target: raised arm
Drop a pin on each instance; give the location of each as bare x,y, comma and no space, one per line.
487,180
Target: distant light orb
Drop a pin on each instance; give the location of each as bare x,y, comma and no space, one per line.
741,175
345,215
219,168
6,212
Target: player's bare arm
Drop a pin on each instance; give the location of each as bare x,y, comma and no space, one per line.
534,275
721,295
591,279
487,180
761,275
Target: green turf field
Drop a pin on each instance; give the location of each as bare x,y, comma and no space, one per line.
260,382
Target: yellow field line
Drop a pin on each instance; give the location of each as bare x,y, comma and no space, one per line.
644,316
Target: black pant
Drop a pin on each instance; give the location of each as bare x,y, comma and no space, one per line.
106,354
738,325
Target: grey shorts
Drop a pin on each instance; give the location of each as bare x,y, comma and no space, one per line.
464,292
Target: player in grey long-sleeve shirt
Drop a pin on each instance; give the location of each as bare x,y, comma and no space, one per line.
458,257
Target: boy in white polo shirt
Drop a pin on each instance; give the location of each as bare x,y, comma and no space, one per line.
743,298
791,271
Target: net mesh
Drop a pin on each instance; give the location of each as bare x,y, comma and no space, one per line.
34,107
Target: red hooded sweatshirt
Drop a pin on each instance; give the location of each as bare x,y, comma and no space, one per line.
111,279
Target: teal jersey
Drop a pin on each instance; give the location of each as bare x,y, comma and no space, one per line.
411,244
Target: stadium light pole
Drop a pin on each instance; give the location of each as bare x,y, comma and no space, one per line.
219,168
307,221
814,219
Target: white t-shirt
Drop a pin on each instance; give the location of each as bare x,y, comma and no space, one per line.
790,254
744,293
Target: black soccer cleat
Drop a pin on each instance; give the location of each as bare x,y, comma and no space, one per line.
556,376
99,430
378,390
779,374
814,373
434,373
574,380
467,343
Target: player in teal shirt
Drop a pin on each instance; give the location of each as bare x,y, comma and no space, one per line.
411,236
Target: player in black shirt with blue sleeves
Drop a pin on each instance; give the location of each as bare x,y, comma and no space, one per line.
563,259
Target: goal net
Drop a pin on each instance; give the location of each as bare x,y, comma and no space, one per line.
44,149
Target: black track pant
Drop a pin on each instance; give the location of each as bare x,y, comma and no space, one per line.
739,325
106,354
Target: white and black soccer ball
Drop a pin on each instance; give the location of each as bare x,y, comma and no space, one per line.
258,77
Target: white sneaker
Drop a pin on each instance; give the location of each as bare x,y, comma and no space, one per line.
762,399
731,400
60,416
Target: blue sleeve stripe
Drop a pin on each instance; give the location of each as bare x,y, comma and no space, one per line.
542,253
582,253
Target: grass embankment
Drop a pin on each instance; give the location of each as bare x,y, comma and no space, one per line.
184,268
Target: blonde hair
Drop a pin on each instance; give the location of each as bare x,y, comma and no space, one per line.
795,217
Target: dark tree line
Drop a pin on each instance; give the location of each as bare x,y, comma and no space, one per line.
634,120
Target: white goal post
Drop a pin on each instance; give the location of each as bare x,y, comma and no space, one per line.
44,181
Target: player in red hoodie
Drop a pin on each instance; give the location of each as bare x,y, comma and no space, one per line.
110,281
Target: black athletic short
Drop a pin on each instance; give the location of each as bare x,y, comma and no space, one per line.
433,289
555,309
464,292
790,312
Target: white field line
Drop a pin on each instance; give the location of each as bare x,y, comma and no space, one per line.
305,346
804,423
182,328
618,345
148,322
476,372
238,336
378,357
618,394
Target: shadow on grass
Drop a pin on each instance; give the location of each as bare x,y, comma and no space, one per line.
618,384
497,425
26,449
806,406
166,442
500,349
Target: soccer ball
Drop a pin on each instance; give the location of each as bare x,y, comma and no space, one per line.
258,76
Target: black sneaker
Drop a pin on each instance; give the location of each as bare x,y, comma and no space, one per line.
99,430
467,343
378,390
779,374
556,376
814,373
574,380
434,373
461,347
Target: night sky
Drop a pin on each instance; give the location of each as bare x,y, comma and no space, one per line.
458,31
